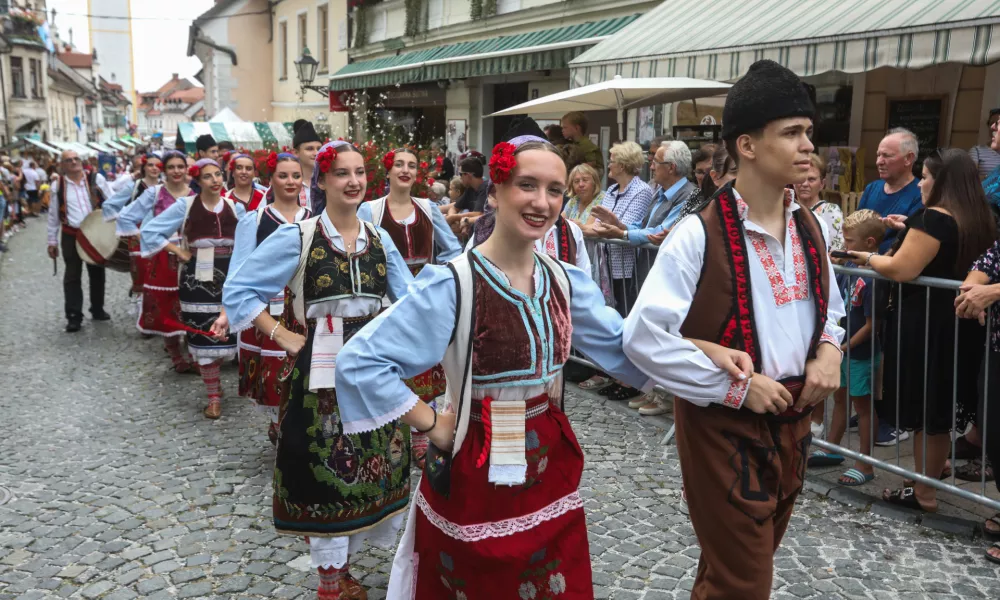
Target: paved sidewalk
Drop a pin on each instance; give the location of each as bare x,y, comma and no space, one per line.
121,489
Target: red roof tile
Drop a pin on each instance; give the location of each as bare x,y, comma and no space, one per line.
77,60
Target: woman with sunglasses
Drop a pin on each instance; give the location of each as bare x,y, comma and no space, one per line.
338,489
261,358
240,184
422,236
159,312
207,226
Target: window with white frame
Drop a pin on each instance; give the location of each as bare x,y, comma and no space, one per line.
435,14
303,32
323,43
380,24
283,50
508,6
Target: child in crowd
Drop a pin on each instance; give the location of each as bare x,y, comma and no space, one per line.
863,229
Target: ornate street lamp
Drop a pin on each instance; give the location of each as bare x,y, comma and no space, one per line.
306,68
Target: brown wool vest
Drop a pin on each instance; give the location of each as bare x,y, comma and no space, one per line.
96,195
202,223
722,309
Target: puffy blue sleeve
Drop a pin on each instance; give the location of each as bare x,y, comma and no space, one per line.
398,274
446,245
156,233
114,205
408,338
365,212
241,211
245,242
598,329
261,276
139,211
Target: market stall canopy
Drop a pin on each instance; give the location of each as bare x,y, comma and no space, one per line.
620,94
80,149
42,145
116,145
100,147
249,135
676,38
226,115
126,141
545,49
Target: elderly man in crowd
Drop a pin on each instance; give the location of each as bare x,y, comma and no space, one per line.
896,192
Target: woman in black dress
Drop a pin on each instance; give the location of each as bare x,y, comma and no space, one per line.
941,240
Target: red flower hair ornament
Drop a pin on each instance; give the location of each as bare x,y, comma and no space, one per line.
272,162
502,162
194,171
226,156
324,160
389,160
144,160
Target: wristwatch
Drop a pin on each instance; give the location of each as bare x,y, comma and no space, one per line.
625,234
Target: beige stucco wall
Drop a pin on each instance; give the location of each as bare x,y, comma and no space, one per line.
252,75
62,109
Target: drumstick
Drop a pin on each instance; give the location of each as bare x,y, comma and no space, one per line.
55,267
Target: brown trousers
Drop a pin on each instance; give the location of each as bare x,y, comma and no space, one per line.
742,473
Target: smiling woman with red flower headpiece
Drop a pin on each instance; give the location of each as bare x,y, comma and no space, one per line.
241,181
338,270
207,224
510,454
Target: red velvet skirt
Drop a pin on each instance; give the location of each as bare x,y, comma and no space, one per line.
525,541
137,264
260,362
159,296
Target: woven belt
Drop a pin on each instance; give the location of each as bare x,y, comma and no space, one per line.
534,407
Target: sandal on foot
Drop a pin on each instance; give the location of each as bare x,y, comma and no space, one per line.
991,558
595,383
904,497
822,459
620,392
214,409
972,471
993,534
854,478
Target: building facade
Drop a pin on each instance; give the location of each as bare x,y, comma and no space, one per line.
25,74
111,37
436,69
176,101
231,40
322,27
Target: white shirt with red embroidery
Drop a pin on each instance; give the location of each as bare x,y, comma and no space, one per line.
784,313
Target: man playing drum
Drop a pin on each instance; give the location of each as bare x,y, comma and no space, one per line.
74,195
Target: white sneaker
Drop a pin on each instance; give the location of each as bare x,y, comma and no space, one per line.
658,407
684,503
817,430
643,400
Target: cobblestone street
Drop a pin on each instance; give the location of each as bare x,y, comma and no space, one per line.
122,489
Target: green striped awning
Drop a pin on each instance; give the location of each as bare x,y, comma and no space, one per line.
851,36
533,51
252,136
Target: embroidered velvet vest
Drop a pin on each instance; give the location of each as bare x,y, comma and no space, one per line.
164,200
517,340
331,275
205,224
414,241
565,242
137,191
96,195
722,308
269,222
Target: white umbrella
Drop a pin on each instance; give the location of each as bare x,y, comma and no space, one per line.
620,94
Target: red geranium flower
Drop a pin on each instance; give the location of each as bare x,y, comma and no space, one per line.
194,171
388,160
424,165
272,162
430,181
439,162
324,160
502,162
371,176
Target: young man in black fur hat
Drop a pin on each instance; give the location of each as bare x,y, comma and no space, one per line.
739,320
207,147
305,145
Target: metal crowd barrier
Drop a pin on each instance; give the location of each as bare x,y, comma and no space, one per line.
636,262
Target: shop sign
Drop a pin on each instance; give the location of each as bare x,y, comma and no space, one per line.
403,97
340,101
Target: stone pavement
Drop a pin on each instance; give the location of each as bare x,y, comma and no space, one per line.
121,489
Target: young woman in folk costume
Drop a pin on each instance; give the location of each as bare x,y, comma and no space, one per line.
261,358
151,167
159,312
422,236
498,507
207,225
240,183
337,489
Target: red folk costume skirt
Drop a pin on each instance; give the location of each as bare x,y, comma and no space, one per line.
160,302
493,541
261,362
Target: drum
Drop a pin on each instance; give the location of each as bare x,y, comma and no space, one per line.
97,244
